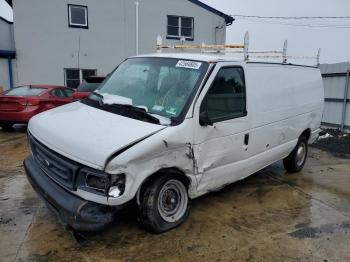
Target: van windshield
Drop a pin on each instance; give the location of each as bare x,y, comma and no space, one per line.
160,86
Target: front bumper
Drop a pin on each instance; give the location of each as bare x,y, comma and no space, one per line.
75,212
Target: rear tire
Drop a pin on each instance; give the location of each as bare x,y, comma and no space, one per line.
6,126
297,158
164,204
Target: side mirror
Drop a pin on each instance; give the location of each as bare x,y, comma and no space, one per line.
204,119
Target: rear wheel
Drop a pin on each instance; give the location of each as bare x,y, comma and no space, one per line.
6,126
164,204
297,158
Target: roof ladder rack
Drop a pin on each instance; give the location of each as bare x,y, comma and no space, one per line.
237,49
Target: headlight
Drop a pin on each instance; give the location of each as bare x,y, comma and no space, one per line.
96,182
100,182
117,185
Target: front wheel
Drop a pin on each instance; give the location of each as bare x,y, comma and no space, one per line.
164,204
297,158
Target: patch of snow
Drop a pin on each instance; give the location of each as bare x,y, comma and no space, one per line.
327,135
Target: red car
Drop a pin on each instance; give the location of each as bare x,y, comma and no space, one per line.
19,104
87,86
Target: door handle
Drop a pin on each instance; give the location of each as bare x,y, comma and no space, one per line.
246,139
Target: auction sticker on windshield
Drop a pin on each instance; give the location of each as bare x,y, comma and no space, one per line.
188,64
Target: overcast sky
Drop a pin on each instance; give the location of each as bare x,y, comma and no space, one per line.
334,42
302,40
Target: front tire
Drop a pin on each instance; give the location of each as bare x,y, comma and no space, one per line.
297,158
164,204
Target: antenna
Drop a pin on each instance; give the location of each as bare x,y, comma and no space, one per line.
246,46
284,54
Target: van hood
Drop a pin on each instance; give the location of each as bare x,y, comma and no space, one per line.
86,134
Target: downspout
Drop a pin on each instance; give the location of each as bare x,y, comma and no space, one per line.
9,61
137,26
217,28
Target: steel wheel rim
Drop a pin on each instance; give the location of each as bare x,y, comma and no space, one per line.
301,154
172,201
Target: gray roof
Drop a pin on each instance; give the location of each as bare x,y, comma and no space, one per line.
228,19
5,20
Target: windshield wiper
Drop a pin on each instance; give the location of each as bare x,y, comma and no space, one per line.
131,109
100,97
141,111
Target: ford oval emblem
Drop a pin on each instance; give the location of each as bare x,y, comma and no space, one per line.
47,163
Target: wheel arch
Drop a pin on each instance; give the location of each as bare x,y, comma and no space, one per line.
306,133
162,172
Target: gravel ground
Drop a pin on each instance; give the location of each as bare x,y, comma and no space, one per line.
335,142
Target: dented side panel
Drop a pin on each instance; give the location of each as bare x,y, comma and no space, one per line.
219,147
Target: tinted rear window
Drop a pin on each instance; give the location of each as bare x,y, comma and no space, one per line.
87,87
25,91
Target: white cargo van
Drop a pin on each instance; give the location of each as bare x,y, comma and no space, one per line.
163,129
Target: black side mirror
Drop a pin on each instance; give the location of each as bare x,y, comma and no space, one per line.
204,119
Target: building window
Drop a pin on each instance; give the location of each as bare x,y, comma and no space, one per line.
179,26
73,76
78,16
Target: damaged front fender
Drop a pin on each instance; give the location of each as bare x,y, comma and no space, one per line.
166,149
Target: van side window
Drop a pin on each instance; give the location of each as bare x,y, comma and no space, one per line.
226,96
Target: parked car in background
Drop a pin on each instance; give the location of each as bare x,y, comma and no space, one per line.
87,86
20,104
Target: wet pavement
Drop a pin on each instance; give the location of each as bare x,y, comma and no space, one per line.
270,216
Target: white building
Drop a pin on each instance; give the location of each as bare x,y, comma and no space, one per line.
62,41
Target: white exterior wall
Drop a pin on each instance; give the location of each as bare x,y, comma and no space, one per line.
45,44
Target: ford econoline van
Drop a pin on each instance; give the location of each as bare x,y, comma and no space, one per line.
164,129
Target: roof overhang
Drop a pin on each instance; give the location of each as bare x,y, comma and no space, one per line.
5,20
7,54
228,19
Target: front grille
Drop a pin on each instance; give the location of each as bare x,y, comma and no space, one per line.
56,166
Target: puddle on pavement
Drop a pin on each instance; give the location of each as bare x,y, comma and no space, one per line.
269,216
